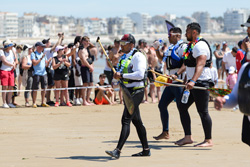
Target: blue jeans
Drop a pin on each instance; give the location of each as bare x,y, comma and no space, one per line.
168,95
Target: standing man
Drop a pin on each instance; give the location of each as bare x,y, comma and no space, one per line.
87,69
197,59
39,62
132,70
246,42
49,51
173,59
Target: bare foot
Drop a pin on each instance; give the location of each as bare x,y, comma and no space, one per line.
145,101
163,135
184,141
85,103
206,143
154,101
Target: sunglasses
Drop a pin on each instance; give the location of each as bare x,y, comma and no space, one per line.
123,43
172,34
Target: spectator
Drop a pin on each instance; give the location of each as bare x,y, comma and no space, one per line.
60,64
8,65
103,95
49,51
228,61
219,56
27,78
40,63
231,78
19,50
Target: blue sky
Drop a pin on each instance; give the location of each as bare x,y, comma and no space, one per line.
113,8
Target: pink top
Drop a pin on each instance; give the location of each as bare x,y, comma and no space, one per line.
231,80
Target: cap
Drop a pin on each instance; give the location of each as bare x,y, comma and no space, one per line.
224,43
231,70
128,38
59,47
7,43
29,46
247,24
45,41
39,44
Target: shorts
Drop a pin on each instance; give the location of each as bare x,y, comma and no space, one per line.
50,75
77,79
150,76
7,78
218,63
39,79
87,77
103,101
63,77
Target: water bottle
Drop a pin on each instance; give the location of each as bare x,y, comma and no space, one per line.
161,42
185,96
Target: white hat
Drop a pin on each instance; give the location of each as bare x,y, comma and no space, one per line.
7,43
29,46
231,70
59,47
247,24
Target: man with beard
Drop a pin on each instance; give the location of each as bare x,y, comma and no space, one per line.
197,58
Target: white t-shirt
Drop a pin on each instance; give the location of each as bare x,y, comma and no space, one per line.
9,58
201,48
49,54
214,74
229,60
139,64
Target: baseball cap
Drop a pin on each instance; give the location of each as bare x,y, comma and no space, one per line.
7,43
141,41
44,41
247,24
224,43
39,44
59,47
128,38
231,70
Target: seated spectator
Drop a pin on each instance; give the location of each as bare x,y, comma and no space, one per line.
61,65
103,95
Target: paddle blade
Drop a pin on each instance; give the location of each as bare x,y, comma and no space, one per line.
215,92
128,100
162,79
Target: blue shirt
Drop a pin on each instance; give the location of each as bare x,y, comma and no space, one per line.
39,69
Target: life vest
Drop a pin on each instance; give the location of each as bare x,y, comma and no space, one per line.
173,60
191,61
244,91
128,69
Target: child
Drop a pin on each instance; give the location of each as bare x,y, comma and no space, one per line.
231,78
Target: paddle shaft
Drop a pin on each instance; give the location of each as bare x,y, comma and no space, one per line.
107,57
179,85
166,76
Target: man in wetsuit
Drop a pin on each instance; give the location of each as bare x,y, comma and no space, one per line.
132,72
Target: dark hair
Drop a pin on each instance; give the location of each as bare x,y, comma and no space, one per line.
77,39
70,45
85,38
102,75
235,49
240,43
195,26
176,30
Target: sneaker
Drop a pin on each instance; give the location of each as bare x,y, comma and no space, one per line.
63,104
44,105
81,101
69,104
27,105
11,105
115,153
77,102
34,106
56,104
50,103
143,153
5,105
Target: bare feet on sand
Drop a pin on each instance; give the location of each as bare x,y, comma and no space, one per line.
163,135
205,143
184,141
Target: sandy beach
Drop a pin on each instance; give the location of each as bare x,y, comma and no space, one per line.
78,136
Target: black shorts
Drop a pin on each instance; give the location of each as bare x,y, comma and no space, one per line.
150,76
109,75
87,76
50,75
63,77
39,79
